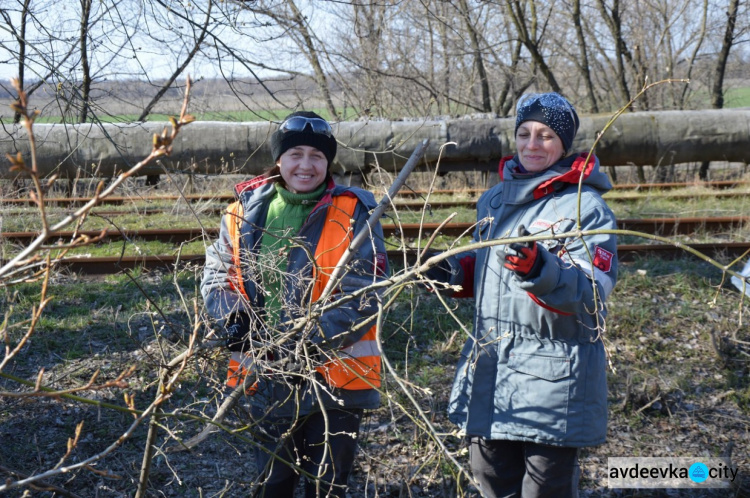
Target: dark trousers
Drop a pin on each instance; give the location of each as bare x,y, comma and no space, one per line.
514,469
324,451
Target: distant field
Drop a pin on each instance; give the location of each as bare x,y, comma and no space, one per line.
231,116
734,98
226,107
737,97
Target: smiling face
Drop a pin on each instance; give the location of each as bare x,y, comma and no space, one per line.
303,168
538,146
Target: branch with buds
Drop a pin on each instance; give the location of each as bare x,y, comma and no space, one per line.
27,260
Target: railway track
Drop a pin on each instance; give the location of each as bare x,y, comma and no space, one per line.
472,203
654,189
626,253
653,226
216,204
723,184
214,208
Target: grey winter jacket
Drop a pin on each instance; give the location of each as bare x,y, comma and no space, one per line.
534,368
335,327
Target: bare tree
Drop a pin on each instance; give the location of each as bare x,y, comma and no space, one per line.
200,38
292,23
30,55
478,55
612,18
423,65
85,68
533,36
364,27
717,88
583,61
20,36
694,54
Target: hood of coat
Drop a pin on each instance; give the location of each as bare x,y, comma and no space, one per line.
259,188
565,172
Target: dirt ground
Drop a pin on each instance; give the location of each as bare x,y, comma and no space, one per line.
672,392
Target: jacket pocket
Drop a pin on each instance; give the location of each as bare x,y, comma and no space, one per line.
536,397
550,368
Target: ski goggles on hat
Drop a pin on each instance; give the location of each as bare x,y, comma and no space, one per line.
299,123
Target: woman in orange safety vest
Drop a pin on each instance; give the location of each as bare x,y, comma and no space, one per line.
278,245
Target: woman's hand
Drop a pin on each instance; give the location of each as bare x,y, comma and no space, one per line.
241,329
523,257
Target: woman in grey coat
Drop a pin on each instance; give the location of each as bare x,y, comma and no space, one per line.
530,387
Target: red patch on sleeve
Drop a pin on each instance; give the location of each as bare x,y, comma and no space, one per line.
603,259
380,263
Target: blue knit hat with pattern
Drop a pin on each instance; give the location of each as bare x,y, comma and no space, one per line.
553,110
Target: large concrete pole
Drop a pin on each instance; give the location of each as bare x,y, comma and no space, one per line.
643,138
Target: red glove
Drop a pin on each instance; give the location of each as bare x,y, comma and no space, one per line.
523,257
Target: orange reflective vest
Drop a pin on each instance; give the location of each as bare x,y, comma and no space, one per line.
355,367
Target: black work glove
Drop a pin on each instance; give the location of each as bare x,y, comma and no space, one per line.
522,257
240,329
292,364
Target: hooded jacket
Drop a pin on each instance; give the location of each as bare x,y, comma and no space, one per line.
229,287
534,368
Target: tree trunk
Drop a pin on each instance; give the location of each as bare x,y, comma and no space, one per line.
368,30
717,89
22,52
584,63
21,38
613,173
641,72
517,14
478,58
505,102
694,56
85,69
641,174
312,56
446,80
621,50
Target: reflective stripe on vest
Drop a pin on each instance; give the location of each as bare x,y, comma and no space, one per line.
235,212
239,363
355,367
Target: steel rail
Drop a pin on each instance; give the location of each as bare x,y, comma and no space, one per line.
719,184
218,208
472,203
653,226
175,235
192,198
646,187
626,253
